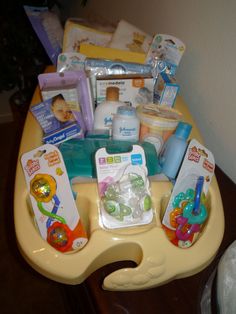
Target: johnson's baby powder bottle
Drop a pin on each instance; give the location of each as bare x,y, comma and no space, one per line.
125,126
104,112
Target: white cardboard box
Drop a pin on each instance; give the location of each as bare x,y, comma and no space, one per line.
136,89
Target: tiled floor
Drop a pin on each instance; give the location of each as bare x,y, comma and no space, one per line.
22,290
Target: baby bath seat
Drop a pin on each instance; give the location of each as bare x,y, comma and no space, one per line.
158,260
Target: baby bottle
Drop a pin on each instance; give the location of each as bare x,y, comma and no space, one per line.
103,115
174,149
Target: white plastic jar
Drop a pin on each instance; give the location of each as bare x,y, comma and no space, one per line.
125,125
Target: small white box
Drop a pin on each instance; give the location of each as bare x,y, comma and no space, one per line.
166,90
134,89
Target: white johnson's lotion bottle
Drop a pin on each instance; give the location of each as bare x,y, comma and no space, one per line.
104,112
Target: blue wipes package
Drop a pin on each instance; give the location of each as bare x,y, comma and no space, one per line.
57,120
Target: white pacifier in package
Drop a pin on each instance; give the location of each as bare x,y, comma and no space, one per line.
125,198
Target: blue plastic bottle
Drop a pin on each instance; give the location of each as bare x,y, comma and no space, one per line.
174,149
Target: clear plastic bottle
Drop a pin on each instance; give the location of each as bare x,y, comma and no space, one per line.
174,149
125,126
105,111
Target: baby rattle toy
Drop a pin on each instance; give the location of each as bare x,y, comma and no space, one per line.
43,188
53,205
189,212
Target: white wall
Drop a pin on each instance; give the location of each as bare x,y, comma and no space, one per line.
207,71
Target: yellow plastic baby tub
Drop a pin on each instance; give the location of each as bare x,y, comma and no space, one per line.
158,260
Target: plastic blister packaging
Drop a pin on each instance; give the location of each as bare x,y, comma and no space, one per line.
127,201
220,288
123,187
70,61
102,67
167,49
48,28
187,209
54,208
74,86
226,281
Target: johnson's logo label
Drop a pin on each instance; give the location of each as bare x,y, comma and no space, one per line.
193,154
32,166
127,130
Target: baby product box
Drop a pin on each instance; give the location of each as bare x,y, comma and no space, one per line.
133,89
166,90
57,120
75,88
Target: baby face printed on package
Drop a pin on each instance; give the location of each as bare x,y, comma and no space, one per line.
61,110
57,120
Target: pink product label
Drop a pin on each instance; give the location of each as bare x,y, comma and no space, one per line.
32,166
102,161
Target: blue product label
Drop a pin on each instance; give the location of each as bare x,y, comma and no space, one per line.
169,94
136,159
63,135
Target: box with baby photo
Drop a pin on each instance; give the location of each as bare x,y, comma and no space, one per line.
57,120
